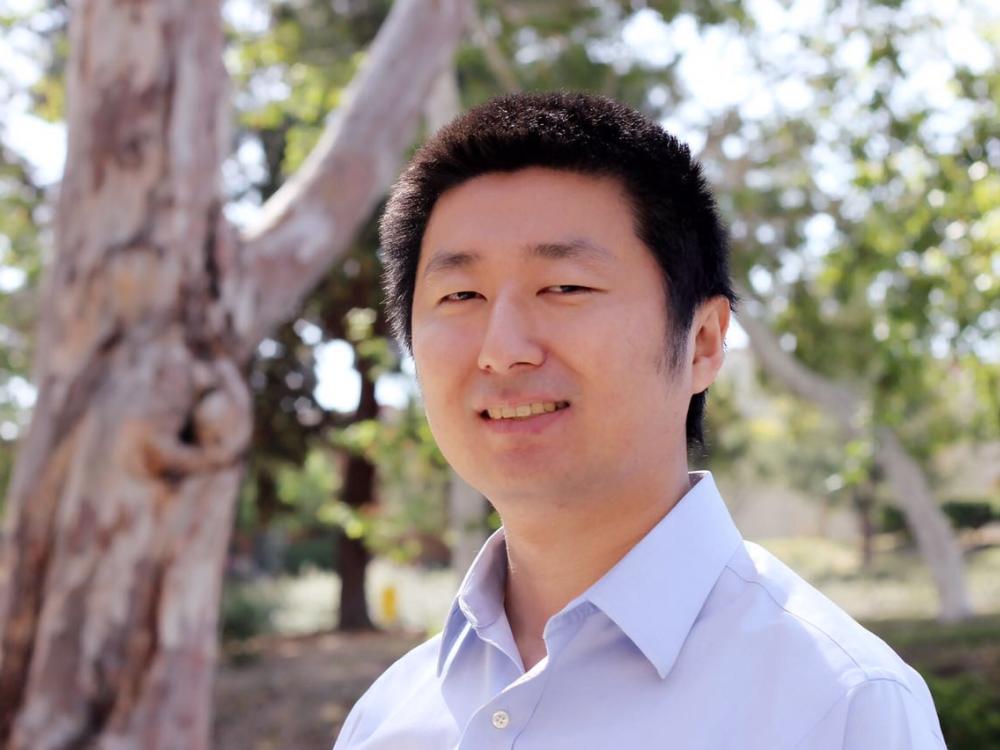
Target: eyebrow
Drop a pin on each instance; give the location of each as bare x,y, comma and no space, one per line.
577,248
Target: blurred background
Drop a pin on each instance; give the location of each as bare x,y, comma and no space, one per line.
854,147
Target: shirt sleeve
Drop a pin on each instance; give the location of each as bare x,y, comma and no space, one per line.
343,741
877,714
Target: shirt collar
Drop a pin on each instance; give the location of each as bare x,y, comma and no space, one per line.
653,594
480,597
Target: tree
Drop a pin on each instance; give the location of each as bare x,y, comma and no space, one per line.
121,498
876,318
312,49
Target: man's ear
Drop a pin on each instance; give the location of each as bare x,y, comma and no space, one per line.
708,330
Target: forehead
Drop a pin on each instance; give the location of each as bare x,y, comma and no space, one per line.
492,214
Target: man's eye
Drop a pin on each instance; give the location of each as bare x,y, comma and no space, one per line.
567,288
459,296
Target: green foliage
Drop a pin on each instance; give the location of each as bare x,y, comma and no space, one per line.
293,73
958,661
969,710
309,488
20,267
25,209
907,277
412,485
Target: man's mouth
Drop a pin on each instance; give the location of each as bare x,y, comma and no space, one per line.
523,411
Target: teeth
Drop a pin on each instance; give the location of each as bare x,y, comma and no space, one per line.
525,410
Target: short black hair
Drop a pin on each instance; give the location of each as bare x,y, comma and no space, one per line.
674,209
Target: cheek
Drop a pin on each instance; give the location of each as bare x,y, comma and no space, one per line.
635,335
442,355
634,362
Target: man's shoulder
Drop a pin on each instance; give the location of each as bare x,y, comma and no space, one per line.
409,672
404,678
790,617
816,656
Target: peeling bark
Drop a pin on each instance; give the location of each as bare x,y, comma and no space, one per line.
909,485
120,505
111,503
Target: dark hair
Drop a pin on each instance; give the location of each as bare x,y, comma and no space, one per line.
675,212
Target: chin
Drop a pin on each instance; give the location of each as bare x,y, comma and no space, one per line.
508,486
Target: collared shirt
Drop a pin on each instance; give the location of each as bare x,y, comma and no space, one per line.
695,640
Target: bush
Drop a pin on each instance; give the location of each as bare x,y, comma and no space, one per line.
891,520
968,514
963,514
247,611
969,711
311,552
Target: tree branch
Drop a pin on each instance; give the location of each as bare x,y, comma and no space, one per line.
836,399
929,526
496,62
904,475
310,221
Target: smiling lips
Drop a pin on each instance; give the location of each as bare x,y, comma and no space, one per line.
522,411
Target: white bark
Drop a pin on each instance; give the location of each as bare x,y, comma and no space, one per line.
443,101
843,404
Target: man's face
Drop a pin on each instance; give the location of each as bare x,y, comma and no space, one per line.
533,294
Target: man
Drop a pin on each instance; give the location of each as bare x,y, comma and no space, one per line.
557,267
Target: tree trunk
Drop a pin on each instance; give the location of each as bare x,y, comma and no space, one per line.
359,485
912,492
929,525
121,500
353,559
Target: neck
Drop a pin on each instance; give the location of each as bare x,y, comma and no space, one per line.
554,557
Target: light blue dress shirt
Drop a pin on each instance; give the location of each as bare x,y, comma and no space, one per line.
695,640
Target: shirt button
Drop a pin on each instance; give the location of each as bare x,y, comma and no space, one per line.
501,719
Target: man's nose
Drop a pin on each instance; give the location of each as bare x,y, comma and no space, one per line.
509,339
